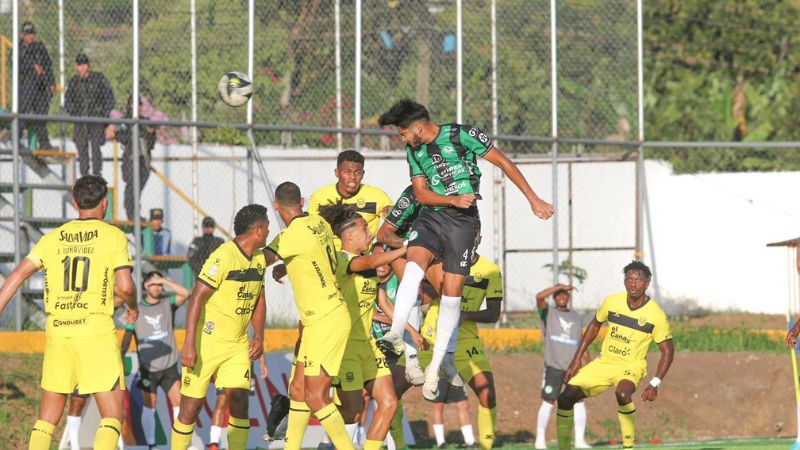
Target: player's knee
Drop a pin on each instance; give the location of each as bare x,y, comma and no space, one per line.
623,396
388,404
297,392
568,398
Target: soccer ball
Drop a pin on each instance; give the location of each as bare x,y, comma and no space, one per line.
235,88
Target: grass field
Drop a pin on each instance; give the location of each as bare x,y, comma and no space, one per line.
748,444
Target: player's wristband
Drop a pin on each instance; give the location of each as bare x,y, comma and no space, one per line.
655,382
130,327
405,243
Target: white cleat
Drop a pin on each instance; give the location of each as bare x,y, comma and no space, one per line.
430,388
540,444
582,444
414,374
391,342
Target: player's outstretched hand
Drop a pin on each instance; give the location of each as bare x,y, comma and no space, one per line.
278,272
573,368
463,201
649,394
131,315
188,355
542,209
264,372
256,349
791,338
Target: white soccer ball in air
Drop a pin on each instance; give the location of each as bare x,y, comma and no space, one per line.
235,88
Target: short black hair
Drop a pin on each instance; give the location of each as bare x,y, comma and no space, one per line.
404,113
339,216
248,217
89,190
149,275
350,155
638,266
287,194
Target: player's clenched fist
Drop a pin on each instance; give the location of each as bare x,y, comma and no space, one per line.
188,356
542,209
463,201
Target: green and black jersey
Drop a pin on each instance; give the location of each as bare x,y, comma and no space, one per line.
449,163
404,212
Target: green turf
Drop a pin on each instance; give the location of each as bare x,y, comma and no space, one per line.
739,444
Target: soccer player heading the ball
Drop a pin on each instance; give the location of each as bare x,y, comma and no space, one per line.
446,179
634,320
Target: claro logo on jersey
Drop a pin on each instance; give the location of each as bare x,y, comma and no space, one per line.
80,236
244,311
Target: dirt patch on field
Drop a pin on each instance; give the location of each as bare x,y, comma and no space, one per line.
736,320
704,396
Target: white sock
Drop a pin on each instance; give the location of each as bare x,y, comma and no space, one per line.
469,437
214,434
389,441
175,411
541,421
361,435
325,439
449,312
149,425
120,443
74,427
223,438
580,421
438,431
406,296
351,429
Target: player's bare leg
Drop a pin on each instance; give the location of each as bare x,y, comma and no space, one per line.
382,390
218,418
76,404
110,406
317,397
239,421
565,414
50,410
626,412
299,411
483,386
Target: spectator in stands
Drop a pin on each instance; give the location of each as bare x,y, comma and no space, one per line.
202,246
36,86
162,237
147,141
89,94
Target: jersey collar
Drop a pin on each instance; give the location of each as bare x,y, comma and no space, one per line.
305,214
249,258
346,197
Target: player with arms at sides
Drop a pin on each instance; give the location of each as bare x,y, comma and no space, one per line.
307,249
371,202
227,298
484,282
87,266
561,328
363,365
446,179
156,347
634,321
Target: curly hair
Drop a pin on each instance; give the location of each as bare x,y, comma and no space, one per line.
404,113
638,266
339,216
248,217
89,190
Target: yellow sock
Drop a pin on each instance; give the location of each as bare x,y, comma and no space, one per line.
107,434
299,413
564,421
181,435
238,432
369,444
487,418
396,427
41,435
627,424
333,423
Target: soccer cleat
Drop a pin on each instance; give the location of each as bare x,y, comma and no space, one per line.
472,446
582,444
391,342
540,444
430,388
278,418
443,445
414,373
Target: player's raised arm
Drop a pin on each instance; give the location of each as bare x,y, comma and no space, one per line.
375,260
200,294
181,293
588,337
541,297
22,272
541,208
387,234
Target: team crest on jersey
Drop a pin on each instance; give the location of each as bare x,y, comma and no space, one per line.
435,180
403,203
209,328
349,376
436,159
642,321
187,381
413,235
478,277
361,202
213,270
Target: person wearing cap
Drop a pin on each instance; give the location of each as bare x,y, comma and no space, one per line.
202,246
36,85
89,94
162,237
156,347
561,331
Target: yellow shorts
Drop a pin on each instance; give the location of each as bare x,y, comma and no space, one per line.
599,375
323,343
470,359
362,362
89,363
228,363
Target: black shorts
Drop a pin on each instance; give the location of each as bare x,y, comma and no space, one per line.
150,381
449,393
552,382
449,233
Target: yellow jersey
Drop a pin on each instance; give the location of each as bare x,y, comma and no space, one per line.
631,331
483,282
360,290
306,248
237,281
80,259
369,200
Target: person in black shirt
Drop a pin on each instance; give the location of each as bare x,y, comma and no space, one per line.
89,94
202,246
147,141
36,85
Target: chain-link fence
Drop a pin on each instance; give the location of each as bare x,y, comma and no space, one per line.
317,91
